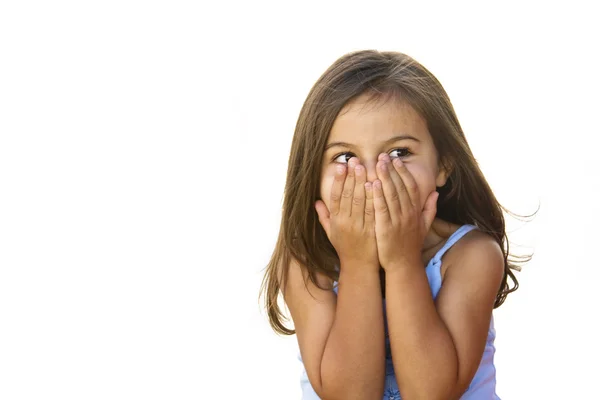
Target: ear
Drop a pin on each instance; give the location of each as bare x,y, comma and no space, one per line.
443,174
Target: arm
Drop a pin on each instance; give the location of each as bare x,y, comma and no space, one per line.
437,347
341,339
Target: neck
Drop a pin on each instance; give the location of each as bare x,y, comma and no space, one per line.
439,231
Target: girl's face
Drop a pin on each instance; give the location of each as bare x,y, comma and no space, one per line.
394,128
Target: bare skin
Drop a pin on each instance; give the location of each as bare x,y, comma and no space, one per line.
341,337
436,345
378,190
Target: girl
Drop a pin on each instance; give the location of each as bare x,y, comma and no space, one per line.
392,251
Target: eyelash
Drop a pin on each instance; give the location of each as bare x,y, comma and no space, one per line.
402,149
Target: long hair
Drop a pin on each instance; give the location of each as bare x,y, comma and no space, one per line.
466,198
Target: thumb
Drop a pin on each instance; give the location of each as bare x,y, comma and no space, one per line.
430,209
323,214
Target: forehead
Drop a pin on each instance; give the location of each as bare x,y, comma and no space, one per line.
363,122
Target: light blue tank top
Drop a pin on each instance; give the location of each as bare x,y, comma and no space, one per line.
483,385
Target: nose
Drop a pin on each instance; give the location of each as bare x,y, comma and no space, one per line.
370,166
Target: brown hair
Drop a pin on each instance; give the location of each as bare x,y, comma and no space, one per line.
466,198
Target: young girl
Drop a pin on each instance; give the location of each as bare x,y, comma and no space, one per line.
392,251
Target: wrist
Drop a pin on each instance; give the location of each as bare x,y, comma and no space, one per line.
360,276
404,265
358,267
359,264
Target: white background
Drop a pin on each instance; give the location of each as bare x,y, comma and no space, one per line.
143,151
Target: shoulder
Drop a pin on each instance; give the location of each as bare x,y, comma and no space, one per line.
475,253
297,279
475,248
307,299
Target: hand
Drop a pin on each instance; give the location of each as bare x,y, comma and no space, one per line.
400,225
350,224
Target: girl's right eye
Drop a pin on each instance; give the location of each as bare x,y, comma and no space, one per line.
343,157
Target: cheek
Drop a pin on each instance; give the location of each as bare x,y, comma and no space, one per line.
425,179
325,188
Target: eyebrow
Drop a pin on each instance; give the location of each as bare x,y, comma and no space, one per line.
387,142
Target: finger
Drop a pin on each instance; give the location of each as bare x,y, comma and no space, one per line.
394,176
410,188
369,210
358,202
324,216
382,213
336,189
430,209
348,191
389,190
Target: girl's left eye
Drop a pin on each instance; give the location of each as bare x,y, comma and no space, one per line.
400,152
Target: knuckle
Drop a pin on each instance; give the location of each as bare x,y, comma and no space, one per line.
346,193
357,200
411,186
382,208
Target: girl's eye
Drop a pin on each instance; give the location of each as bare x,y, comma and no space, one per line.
343,157
400,152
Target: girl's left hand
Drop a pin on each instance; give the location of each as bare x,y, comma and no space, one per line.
400,224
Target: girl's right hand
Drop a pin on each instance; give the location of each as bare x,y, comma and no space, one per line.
350,223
